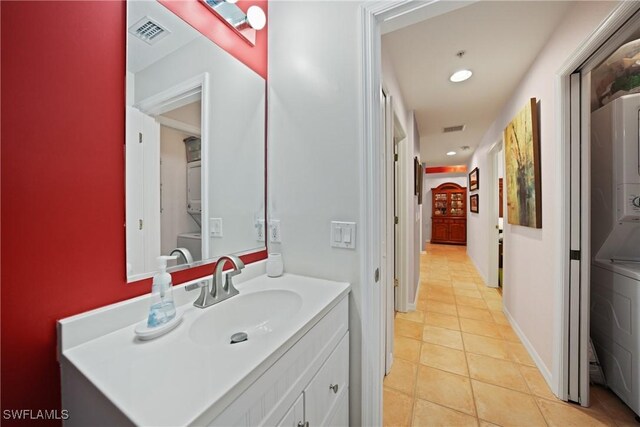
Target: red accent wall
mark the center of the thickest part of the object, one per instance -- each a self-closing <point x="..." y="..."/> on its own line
<point x="62" y="176"/>
<point x="446" y="169"/>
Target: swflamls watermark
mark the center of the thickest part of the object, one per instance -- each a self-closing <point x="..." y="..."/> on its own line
<point x="35" y="414"/>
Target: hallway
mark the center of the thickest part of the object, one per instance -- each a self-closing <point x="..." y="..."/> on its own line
<point x="457" y="362"/>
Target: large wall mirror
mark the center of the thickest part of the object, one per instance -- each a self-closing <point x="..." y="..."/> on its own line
<point x="195" y="146"/>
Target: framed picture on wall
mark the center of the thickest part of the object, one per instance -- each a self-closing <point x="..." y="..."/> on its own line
<point x="522" y="167"/>
<point x="473" y="203"/>
<point x="474" y="180"/>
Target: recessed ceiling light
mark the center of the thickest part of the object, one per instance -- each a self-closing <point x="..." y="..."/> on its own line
<point x="451" y="153"/>
<point x="460" y="76"/>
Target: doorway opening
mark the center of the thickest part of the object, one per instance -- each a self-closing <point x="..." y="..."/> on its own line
<point x="495" y="223"/>
<point x="373" y="18"/>
<point x="604" y="226"/>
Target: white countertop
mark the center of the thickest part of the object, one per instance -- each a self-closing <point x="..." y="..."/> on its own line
<point x="173" y="380"/>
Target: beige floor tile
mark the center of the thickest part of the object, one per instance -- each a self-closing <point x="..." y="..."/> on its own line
<point x="397" y="408"/>
<point x="565" y="415"/>
<point x="520" y="354"/>
<point x="490" y="293"/>
<point x="449" y="299"/>
<point x="471" y="302"/>
<point x="439" y="289"/>
<point x="439" y="277"/>
<point x="495" y="371"/>
<point x="446" y="284"/>
<point x="507" y="333"/>
<point x="414" y="316"/>
<point x="406" y="348"/>
<point x="474" y="313"/>
<point x="407" y="328"/>
<point x="464" y="284"/>
<point x="615" y="408"/>
<point x="499" y="317"/>
<point x="447" y="274"/>
<point x="536" y="382"/>
<point x="442" y="336"/>
<point x="471" y="293"/>
<point x="598" y="411"/>
<point x="486" y="346"/>
<point x="445" y="358"/>
<point x="506" y="407"/>
<point x="428" y="414"/>
<point x="441" y="307"/>
<point x="495" y="305"/>
<point x="441" y="320"/>
<point x="478" y="327"/>
<point x="422" y="304"/>
<point x="402" y="376"/>
<point x="444" y="388"/>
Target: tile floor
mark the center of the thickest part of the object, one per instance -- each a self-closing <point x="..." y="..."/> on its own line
<point x="457" y="362"/>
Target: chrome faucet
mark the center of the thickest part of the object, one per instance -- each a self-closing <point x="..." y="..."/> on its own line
<point x="184" y="253"/>
<point x="219" y="291"/>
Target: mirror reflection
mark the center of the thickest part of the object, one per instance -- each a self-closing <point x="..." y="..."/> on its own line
<point x="195" y="143"/>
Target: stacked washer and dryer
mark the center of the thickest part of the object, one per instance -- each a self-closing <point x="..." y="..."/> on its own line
<point x="615" y="242"/>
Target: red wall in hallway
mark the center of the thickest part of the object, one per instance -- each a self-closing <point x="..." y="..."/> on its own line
<point x="62" y="176"/>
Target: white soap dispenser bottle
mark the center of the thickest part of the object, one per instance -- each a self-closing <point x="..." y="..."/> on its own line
<point x="162" y="308"/>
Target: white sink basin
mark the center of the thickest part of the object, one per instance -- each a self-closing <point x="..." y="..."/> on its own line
<point x="256" y="313"/>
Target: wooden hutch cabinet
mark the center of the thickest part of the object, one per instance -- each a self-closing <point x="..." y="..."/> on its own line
<point x="449" y="214"/>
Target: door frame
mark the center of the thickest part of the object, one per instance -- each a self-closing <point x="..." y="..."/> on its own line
<point x="591" y="52"/>
<point x="375" y="15"/>
<point x="493" y="157"/>
<point x="388" y="243"/>
<point x="404" y="197"/>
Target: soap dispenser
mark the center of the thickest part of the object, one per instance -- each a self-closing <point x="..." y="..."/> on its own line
<point x="162" y="309"/>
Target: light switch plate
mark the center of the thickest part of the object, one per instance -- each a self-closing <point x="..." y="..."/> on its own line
<point x="274" y="231"/>
<point x="343" y="234"/>
<point x="215" y="227"/>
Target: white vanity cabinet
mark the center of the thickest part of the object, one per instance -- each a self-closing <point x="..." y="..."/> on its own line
<point x="322" y="400"/>
<point x="292" y="371"/>
<point x="307" y="387"/>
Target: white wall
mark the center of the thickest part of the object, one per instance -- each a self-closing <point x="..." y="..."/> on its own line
<point x="531" y="270"/>
<point x="314" y="154"/>
<point x="432" y="181"/>
<point x="411" y="224"/>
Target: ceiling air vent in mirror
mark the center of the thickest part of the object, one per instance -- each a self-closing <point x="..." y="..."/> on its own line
<point x="457" y="128"/>
<point x="148" y="30"/>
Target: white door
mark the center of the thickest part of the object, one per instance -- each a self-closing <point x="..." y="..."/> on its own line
<point x="389" y="235"/>
<point x="578" y="363"/>
<point x="142" y="179"/>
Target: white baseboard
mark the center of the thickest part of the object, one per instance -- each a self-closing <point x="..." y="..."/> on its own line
<point x="546" y="373"/>
<point x="413" y="305"/>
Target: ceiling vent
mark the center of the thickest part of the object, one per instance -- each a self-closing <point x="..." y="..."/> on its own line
<point x="148" y="30"/>
<point x="450" y="129"/>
